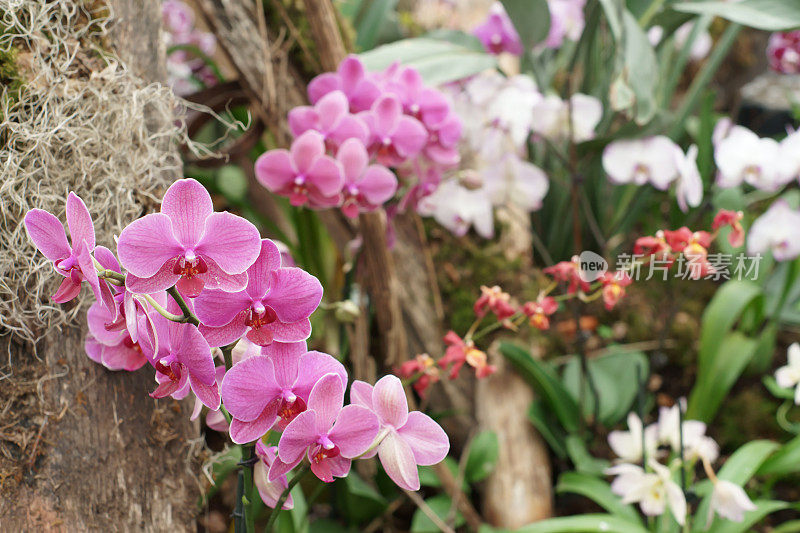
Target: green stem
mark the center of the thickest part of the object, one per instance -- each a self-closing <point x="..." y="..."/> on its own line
<point x="187" y="313"/>
<point x="284" y="496"/>
<point x="249" y="515"/>
<point x="227" y="354"/>
<point x="163" y="312"/>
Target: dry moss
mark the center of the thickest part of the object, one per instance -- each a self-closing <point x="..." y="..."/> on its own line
<point x="81" y="122"/>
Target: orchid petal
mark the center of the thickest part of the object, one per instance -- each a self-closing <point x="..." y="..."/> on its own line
<point x="146" y="244"/>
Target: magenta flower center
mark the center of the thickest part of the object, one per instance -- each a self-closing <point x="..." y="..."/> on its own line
<point x="189" y="266"/>
<point x="261" y="315"/>
<point x="165" y="367"/>
<point x="288" y="410"/>
<point x="326" y="449"/>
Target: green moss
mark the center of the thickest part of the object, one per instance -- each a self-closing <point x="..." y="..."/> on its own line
<point x="10" y="77"/>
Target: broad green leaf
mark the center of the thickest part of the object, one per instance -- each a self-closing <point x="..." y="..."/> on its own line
<point x="232" y="183"/>
<point x="584" y="462"/>
<point x="369" y="27"/>
<point x="554" y="435"/>
<point x="727" y="306"/>
<point x="428" y="477"/>
<point x="613" y="11"/>
<point x="546" y="383"/>
<point x="599" y="492"/>
<point x="731" y="357"/>
<point x="751" y="518"/>
<point x="483" y="451"/>
<point x="359" y="501"/>
<point x="531" y="19"/>
<point x="440" y="505"/>
<point x="614" y="377"/>
<point x="457" y="37"/>
<point x="586" y="523"/>
<point x="792" y="526"/>
<point x="437" y="61"/>
<point x="739" y="468"/>
<point x="786" y="460"/>
<point x="770" y="15"/>
<point x="641" y="69"/>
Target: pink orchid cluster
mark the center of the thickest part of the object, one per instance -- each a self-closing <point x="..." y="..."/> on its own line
<point x="359" y="126"/>
<point x="783" y="52"/>
<point x="188" y="281"/>
<point x="186" y="73"/>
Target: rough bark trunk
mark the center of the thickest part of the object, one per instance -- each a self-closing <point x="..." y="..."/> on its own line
<point x="85" y="449"/>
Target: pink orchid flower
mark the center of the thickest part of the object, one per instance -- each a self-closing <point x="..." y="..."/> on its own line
<point x="443" y="139"/>
<point x="73" y="260"/>
<point x="188" y="244"/>
<point x="113" y="348"/>
<point x="183" y="356"/>
<point x="330" y="117"/>
<point x="497" y="33"/>
<point x="304" y="173"/>
<point x="275" y="305"/>
<point x="328" y="434"/>
<point x="365" y="187"/>
<point x="214" y="418"/>
<point x="424" y="103"/>
<point x="270" y="491"/>
<point x="264" y="389"/>
<point x="410" y="439"/>
<point x="352" y="79"/>
<point x="394" y="137"/>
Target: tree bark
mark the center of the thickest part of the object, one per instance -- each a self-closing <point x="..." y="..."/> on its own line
<point x="83" y="448"/>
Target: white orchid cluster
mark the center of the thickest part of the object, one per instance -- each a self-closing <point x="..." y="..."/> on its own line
<point x="658" y="161"/>
<point x="742" y="157"/>
<point x="666" y="447"/>
<point x="762" y="162"/>
<point x="499" y="115"/>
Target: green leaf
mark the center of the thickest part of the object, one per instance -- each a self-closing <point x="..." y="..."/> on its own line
<point x="613" y="12"/>
<point x="786" y="460"/>
<point x="738" y="469"/>
<point x="586" y="523"/>
<point x="641" y="69"/>
<point x="232" y="183"/>
<point x="548" y="428"/>
<point x="483" y="452"/>
<point x="359" y="501"/>
<point x="428" y="477"/>
<point x="727" y="306"/>
<point x="370" y="25"/>
<point x="546" y="383"/>
<point x="614" y="377"/>
<point x="751" y="518"/>
<point x="599" y="492"/>
<point x="437" y="61"/>
<point x="770" y="15"/>
<point x="730" y="359"/>
<point x="584" y="462"/>
<point x="724" y="355"/>
<point x="531" y="19"/>
<point x="440" y="505"/>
